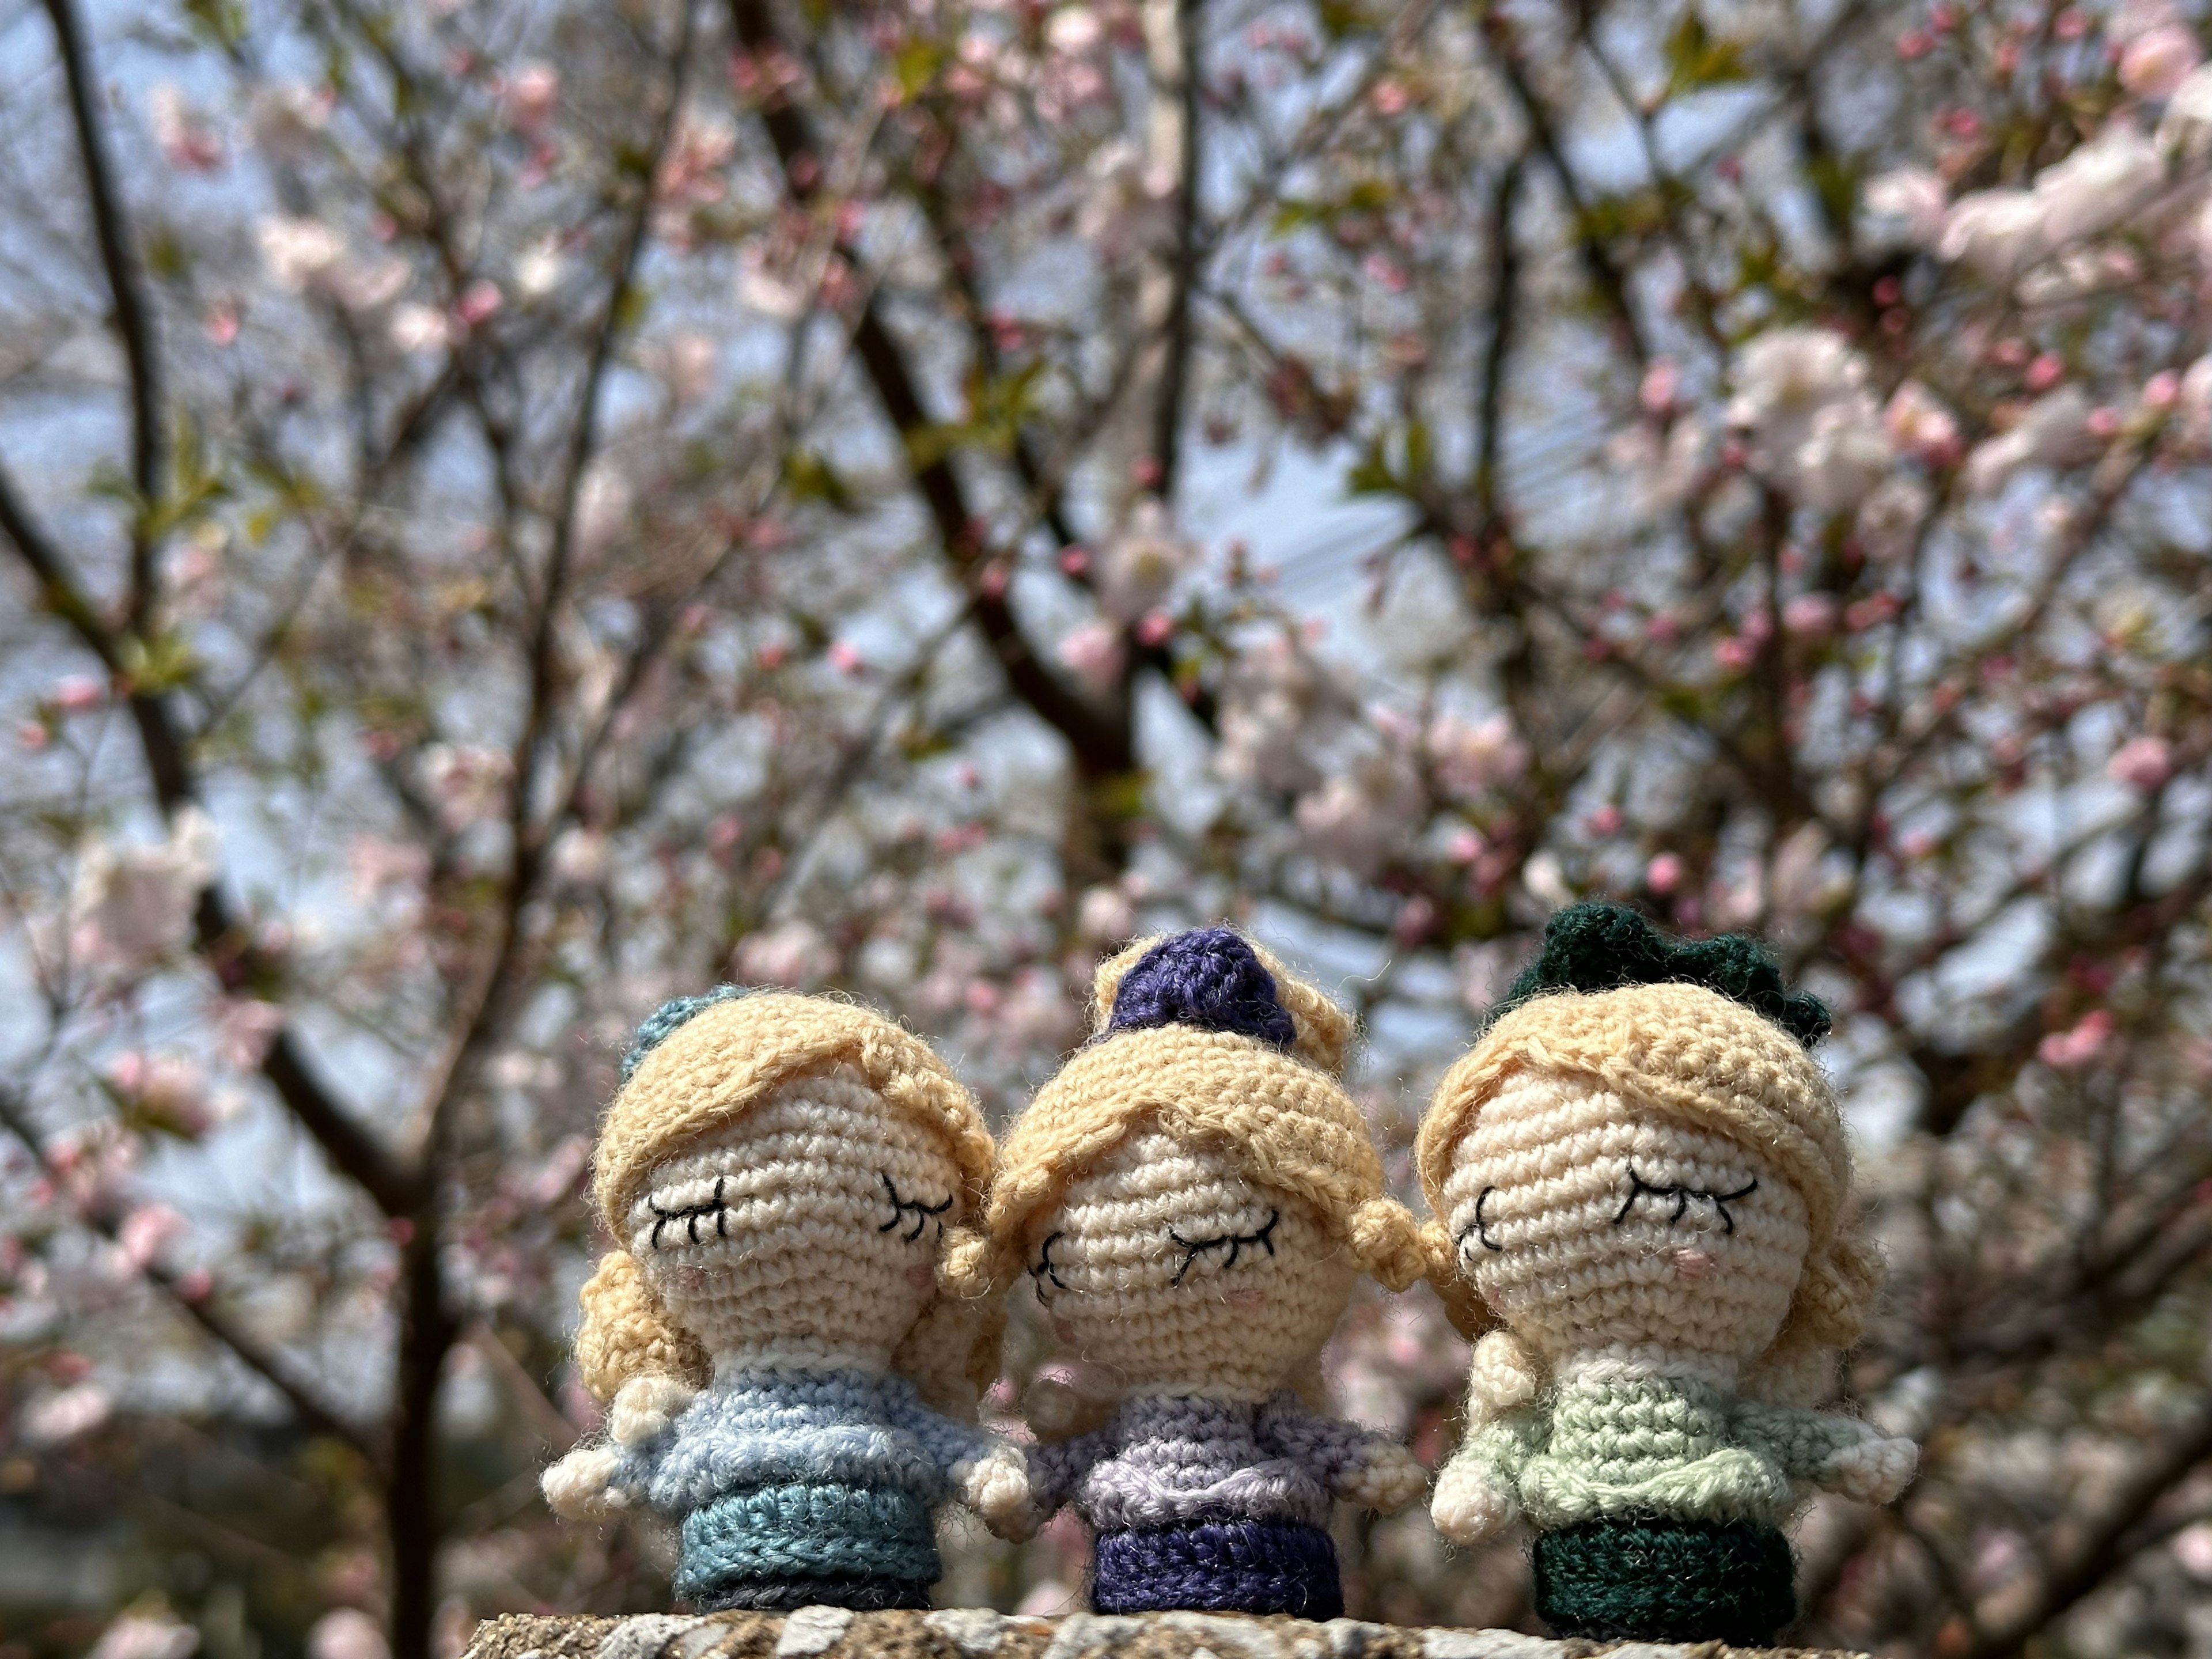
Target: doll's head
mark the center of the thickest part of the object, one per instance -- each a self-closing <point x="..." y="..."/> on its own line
<point x="783" y="1174"/>
<point x="1641" y="1159"/>
<point x="1194" y="1195"/>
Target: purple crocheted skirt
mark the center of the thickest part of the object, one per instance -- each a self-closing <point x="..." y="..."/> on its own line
<point x="1218" y="1567"/>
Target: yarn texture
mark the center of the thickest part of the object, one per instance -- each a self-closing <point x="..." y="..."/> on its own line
<point x="778" y="1478"/>
<point x="1641" y="1578"/>
<point x="787" y="1177"/>
<point x="1193" y="1197"/>
<point x="1644" y="1175"/>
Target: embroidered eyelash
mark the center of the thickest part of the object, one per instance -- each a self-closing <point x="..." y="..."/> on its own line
<point x="1044" y="1269"/>
<point x="902" y="1207"/>
<point x="1236" y="1241"/>
<point x="691" y="1215"/>
<point x="1682" y="1196"/>
<point x="1481" y="1228"/>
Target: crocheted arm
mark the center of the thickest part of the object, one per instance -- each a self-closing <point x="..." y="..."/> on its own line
<point x="593" y="1482"/>
<point x="1478" y="1489"/>
<point x="991" y="1474"/>
<point x="1837" y="1454"/>
<point x="1359" y="1465"/>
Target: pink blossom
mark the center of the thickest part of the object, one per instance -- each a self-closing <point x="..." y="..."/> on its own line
<point x="2045" y="372"/>
<point x="1810" y="616"/>
<point x="2155" y="62"/>
<point x="1664" y="873"/>
<point x="146" y="1232"/>
<point x="1154" y="629"/>
<point x="187" y="141"/>
<point x="794" y="953"/>
<point x="1920" y="426"/>
<point x="132" y="905"/>
<point x="1660" y="386"/>
<point x="529" y="97"/>
<point x="166" y="1091"/>
<point x="75" y="694"/>
<point x="845" y="657"/>
<point x="2069" y="1051"/>
<point x="2144" y="762"/>
<point x="244" y="1027"/>
<point x="1736" y="653"/>
<point x="479" y="302"/>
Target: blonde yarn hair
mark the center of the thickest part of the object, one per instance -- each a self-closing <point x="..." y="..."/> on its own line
<point x="718" y="1064"/>
<point x="1283" y="1118"/>
<point x="1699" y="1056"/>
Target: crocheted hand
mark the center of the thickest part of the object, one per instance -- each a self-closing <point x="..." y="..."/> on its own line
<point x="1386" y="1478"/>
<point x="646" y="1405"/>
<point x="579" y="1487"/>
<point x="1875" y="1470"/>
<point x="1468" y="1507"/>
<point x="997" y="1487"/>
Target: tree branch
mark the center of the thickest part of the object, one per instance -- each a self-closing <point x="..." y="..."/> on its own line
<point x="133" y="316"/>
<point x="1101" y="746"/>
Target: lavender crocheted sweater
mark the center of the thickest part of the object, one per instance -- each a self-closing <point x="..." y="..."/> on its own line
<point x="1171" y="1461"/>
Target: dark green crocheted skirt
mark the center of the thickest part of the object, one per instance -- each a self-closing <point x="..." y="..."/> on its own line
<point x="1645" y="1578"/>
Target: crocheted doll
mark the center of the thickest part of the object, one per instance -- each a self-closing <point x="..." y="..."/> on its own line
<point x="1193" y="1197"/>
<point x="785" y="1174"/>
<point x="1646" y="1177"/>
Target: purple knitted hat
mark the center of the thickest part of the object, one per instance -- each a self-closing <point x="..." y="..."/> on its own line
<point x="1208" y="978"/>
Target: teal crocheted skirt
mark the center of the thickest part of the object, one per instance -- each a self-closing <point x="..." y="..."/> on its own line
<point x="1647" y="1578"/>
<point x="818" y="1544"/>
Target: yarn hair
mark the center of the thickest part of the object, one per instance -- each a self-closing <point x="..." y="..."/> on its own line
<point x="702" y="1062"/>
<point x="1276" y="1111"/>
<point x="1695" y="1055"/>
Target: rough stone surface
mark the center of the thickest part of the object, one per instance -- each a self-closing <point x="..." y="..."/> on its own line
<point x="978" y="1633"/>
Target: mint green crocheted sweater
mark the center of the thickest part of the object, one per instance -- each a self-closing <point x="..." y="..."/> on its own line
<point x="1657" y="1445"/>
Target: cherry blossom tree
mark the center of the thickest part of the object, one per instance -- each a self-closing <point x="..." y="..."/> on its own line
<point x="511" y="512"/>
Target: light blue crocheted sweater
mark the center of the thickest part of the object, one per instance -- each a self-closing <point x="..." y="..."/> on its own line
<point x="787" y="1475"/>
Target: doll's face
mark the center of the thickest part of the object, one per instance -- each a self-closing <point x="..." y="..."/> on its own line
<point x="1170" y="1267"/>
<point x="1594" y="1227"/>
<point x="806" y="1232"/>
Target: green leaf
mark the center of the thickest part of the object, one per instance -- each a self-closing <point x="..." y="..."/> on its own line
<point x="916" y="65"/>
<point x="1371" y="474"/>
<point x="812" y="478"/>
<point x="1696" y="59"/>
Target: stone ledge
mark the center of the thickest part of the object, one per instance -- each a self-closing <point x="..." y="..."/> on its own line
<point x="978" y="1633"/>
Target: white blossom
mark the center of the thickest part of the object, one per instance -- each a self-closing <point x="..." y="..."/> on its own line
<point x="2054" y="432"/>
<point x="1903" y="208"/>
<point x="1890" y="518"/>
<point x="347" y="1634"/>
<point x="297" y="253"/>
<point x="54" y="1419"/>
<point x="1471" y="757"/>
<point x="1139" y="567"/>
<point x="468" y="780"/>
<point x="133" y="905"/>
<point x="1363" y="813"/>
<point x="418" y="327"/>
<point x="2100" y="184"/>
<point x="605" y="502"/>
<point x="289" y="118"/>
<point x="1994" y="232"/>
<point x="1815" y="430"/>
<point x="1279" y="709"/>
<point x="2194" y="408"/>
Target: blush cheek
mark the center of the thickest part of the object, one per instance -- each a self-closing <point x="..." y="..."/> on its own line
<point x="1693" y="1264"/>
<point x="692" y="1279"/>
<point x="1246" y="1298"/>
<point x="1063" y="1330"/>
<point x="922" y="1277"/>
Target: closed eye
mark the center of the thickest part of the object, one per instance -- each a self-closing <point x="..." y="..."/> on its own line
<point x="1637" y="1187"/>
<point x="1480" y="1228"/>
<point x="902" y="1208"/>
<point x="691" y="1215"/>
<point x="1044" y="1271"/>
<point x="1235" y="1243"/>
